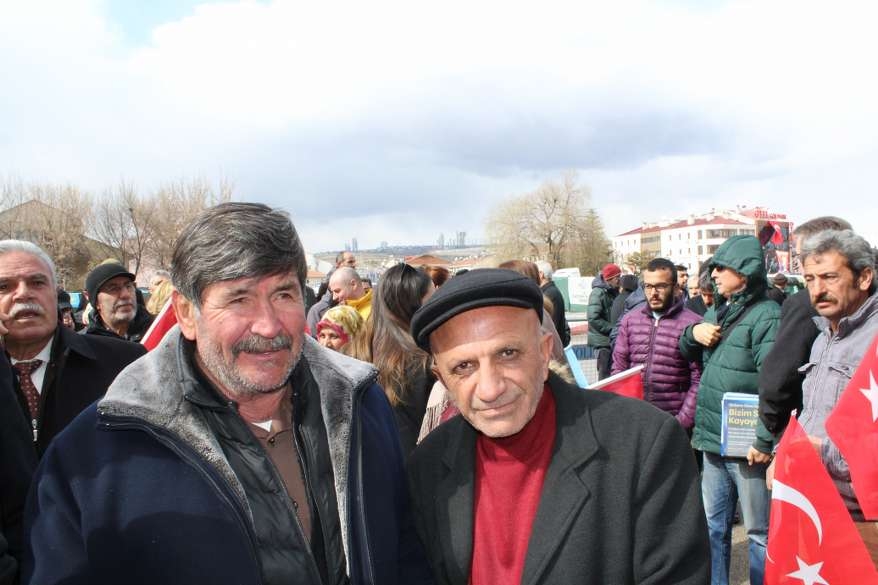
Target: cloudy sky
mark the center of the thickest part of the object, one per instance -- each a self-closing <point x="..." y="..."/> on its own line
<point x="400" y="120"/>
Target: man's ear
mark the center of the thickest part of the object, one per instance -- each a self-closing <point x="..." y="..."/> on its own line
<point x="546" y="349"/>
<point x="185" y="311"/>
<point x="867" y="275"/>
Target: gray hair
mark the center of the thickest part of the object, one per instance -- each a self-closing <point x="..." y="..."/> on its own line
<point x="855" y="249"/>
<point x="8" y="246"/>
<point x="821" y="224"/>
<point x="545" y="268"/>
<point x="235" y="240"/>
<point x="162" y="273"/>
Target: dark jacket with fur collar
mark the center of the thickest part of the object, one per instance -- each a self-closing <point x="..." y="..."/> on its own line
<point x="138" y="490"/>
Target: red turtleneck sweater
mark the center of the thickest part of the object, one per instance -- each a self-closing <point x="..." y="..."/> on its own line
<point x="509" y="480"/>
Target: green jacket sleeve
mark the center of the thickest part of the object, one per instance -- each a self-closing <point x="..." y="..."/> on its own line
<point x="690" y="348"/>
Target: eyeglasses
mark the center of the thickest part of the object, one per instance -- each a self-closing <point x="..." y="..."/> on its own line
<point x="115" y="289"/>
<point x="656" y="287"/>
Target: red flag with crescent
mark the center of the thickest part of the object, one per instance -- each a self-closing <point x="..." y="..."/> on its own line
<point x="853" y="427"/>
<point x="162" y="323"/>
<point x="628" y="383"/>
<point x="811" y="537"/>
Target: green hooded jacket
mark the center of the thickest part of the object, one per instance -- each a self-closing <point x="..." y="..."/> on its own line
<point x="734" y="363"/>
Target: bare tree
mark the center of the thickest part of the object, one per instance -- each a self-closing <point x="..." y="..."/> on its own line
<point x="51" y="217"/>
<point x="554" y="222"/>
<point x="123" y="220"/>
<point x="176" y="204"/>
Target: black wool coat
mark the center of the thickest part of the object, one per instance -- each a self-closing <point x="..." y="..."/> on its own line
<point x="79" y="372"/>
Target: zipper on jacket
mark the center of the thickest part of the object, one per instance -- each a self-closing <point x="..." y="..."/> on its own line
<point x="190" y="458"/>
<point x="650" y="355"/>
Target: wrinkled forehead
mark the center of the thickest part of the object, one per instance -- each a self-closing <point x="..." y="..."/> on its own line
<point x="495" y="324"/>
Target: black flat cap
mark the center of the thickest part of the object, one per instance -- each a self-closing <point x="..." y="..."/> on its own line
<point x="101" y="274"/>
<point x="485" y="287"/>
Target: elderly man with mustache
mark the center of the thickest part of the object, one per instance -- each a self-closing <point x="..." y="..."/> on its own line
<point x="237" y="451"/>
<point x="54" y="373"/>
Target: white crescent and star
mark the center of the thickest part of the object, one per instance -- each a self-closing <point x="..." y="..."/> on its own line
<point x="809" y="574"/>
<point x="872" y="395"/>
<point x="785" y="493"/>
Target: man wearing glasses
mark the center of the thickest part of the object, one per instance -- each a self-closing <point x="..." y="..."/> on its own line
<point x="111" y="291"/>
<point x="650" y="335"/>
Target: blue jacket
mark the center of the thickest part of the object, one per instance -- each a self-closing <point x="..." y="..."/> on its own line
<point x="138" y="490"/>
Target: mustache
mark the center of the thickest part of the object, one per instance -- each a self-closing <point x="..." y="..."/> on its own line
<point x="259" y="344"/>
<point x="825" y="297"/>
<point x="19" y="308"/>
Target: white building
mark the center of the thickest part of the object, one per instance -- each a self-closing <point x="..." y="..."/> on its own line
<point x="693" y="240"/>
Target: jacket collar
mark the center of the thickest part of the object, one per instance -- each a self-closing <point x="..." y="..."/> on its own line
<point x="672" y="310"/>
<point x="66" y="339"/>
<point x="162" y="390"/>
<point x="565" y="488"/>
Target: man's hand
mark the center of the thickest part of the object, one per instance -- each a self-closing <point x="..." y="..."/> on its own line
<point x="707" y="334"/>
<point x="754" y="455"/>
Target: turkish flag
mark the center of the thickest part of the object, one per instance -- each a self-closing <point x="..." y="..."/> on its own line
<point x="163" y="322"/>
<point x="628" y="383"/>
<point x="853" y="427"/>
<point x="811" y="537"/>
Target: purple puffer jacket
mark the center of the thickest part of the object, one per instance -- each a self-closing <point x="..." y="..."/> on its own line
<point x="669" y="381"/>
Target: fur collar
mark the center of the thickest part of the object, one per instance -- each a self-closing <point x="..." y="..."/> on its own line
<point x="153" y="389"/>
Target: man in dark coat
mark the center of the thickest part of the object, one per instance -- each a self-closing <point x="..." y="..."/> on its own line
<point x="781" y="383"/>
<point x="17" y="464"/>
<point x="604" y="289"/>
<point x="117" y="309"/>
<point x="550" y="290"/>
<point x="58" y="372"/>
<point x="238" y="450"/>
<point x="538" y="481"/>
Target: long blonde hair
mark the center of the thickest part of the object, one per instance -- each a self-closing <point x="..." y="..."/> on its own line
<point x="159" y="297"/>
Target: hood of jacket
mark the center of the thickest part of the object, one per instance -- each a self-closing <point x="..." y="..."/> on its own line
<point x="743" y="254"/>
<point x="599" y="282"/>
<point x="154" y="390"/>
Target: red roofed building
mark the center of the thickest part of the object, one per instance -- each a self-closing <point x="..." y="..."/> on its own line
<point x="693" y="240"/>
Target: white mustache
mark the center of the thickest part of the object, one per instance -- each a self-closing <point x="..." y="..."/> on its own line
<point x="26" y="308"/>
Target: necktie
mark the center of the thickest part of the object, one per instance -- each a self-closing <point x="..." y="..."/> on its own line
<point x="24" y="370"/>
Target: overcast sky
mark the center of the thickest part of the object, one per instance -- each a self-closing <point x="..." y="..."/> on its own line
<point x="400" y="120"/>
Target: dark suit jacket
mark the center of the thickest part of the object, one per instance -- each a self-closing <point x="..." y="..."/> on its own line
<point x="559" y="318"/>
<point x="621" y="501"/>
<point x="780" y="383"/>
<point x="17" y="464"/>
<point x="79" y="372"/>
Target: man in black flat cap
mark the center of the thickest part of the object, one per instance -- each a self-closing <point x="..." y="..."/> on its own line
<point x="111" y="291"/>
<point x="539" y="481"/>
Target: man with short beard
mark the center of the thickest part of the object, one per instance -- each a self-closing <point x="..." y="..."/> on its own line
<point x="237" y="451"/>
<point x="111" y="291"/>
<point x="651" y="336"/>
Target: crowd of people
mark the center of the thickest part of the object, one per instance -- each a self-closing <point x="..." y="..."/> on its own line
<point x="424" y="430"/>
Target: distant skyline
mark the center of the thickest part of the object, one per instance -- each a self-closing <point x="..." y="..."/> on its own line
<point x="395" y="121"/>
